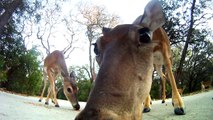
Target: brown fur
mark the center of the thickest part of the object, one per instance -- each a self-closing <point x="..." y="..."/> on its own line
<point x="124" y="78"/>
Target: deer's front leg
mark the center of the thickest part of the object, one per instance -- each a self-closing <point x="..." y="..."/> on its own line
<point x="52" y="89"/>
<point x="48" y="95"/>
<point x="45" y="84"/>
<point x="163" y="78"/>
<point x="147" y="104"/>
<point x="176" y="98"/>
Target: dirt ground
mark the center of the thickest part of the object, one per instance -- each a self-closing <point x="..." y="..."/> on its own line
<point x="19" y="107"/>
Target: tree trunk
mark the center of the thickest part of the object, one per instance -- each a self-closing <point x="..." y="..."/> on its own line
<point x="188" y="39"/>
<point x="4" y="18"/>
<point x="90" y="37"/>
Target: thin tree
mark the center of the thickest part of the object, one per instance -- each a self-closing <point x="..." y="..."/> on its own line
<point x="93" y="18"/>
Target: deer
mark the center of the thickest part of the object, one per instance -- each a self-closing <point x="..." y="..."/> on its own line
<point x="205" y="85"/>
<point x="162" y="56"/>
<point x="180" y="90"/>
<point x="55" y="65"/>
<point x="125" y="56"/>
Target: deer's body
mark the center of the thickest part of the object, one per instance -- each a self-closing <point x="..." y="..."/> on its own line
<point x="162" y="56"/>
<point x="162" y="52"/>
<point x="54" y="65"/>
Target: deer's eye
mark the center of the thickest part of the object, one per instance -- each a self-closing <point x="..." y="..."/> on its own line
<point x="69" y="90"/>
<point x="144" y="35"/>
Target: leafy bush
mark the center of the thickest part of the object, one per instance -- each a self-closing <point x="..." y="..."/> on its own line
<point x="84" y="89"/>
<point x="26" y="76"/>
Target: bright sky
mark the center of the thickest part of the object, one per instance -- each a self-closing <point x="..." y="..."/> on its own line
<point x="128" y="10"/>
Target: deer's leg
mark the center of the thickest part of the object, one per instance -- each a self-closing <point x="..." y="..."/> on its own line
<point x="52" y="96"/>
<point x="48" y="95"/>
<point x="147" y="104"/>
<point x="163" y="78"/>
<point x="52" y="87"/>
<point x="176" y="98"/>
<point x="45" y="85"/>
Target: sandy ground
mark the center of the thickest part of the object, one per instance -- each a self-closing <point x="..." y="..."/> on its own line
<point x="18" y="107"/>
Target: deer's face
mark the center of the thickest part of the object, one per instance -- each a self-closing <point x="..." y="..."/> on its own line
<point x="71" y="92"/>
<point x="124" y="78"/>
<point x="125" y="56"/>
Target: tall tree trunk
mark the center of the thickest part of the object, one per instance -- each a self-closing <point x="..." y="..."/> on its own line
<point x="188" y="39"/>
<point x="4" y="18"/>
<point x="90" y="37"/>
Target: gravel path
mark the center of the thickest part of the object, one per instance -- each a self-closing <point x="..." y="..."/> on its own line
<point x="17" y="107"/>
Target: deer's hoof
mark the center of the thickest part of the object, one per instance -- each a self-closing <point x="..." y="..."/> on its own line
<point x="179" y="111"/>
<point x="46" y="103"/>
<point x="145" y="110"/>
<point x="56" y="105"/>
<point x="163" y="101"/>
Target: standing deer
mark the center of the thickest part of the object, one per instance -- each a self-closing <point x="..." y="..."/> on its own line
<point x="162" y="56"/>
<point x="54" y="65"/>
<point x="125" y="55"/>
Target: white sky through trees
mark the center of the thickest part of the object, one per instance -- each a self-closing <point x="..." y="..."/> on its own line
<point x="127" y="10"/>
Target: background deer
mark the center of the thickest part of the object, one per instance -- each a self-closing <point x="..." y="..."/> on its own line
<point x="205" y="85"/>
<point x="125" y="56"/>
<point x="180" y="90"/>
<point x="54" y="65"/>
<point x="162" y="56"/>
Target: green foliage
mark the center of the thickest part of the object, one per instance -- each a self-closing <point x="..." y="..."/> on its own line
<point x="2" y="71"/>
<point x="199" y="66"/>
<point x="156" y="90"/>
<point x="25" y="77"/>
<point x="84" y="89"/>
<point x="61" y="95"/>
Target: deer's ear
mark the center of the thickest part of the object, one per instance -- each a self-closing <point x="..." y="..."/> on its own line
<point x="106" y="30"/>
<point x="153" y="16"/>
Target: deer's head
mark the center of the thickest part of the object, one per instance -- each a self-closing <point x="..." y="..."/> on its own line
<point x="71" y="90"/>
<point x="125" y="56"/>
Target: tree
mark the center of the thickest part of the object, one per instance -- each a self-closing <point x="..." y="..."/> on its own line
<point x="187" y="27"/>
<point x="23" y="74"/>
<point x="20" y="66"/>
<point x="7" y="8"/>
<point x="93" y="18"/>
<point x="49" y="26"/>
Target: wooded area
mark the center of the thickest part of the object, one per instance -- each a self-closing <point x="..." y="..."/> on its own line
<point x="24" y="21"/>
